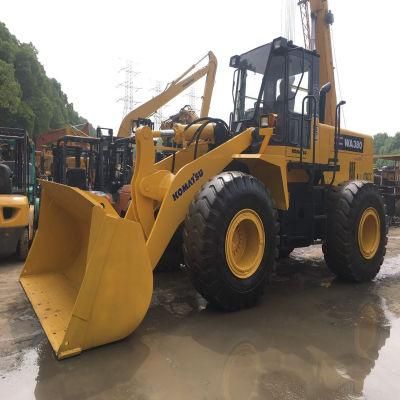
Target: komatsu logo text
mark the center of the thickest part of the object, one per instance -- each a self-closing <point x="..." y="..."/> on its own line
<point x="190" y="182"/>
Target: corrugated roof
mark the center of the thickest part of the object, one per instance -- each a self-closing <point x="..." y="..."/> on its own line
<point x="391" y="157"/>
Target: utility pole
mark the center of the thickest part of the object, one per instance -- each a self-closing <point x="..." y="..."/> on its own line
<point x="193" y="99"/>
<point x="158" y="115"/>
<point x="129" y="88"/>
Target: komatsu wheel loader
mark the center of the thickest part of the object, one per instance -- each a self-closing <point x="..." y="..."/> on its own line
<point x="278" y="177"/>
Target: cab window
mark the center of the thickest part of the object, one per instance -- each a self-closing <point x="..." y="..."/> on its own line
<point x="299" y="81"/>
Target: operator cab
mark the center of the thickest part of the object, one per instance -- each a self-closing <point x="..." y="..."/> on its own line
<point x="16" y="162"/>
<point x="274" y="79"/>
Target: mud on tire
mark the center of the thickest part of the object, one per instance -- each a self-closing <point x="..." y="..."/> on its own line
<point x="342" y="252"/>
<point x="204" y="236"/>
<point x="23" y="245"/>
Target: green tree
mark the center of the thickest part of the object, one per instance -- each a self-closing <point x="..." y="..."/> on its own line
<point x="385" y="144"/>
<point x="379" y="141"/>
<point x="10" y="90"/>
<point x="396" y="142"/>
<point x="28" y="98"/>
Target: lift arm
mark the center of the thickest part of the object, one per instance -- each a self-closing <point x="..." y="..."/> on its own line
<point x="322" y="18"/>
<point x="176" y="87"/>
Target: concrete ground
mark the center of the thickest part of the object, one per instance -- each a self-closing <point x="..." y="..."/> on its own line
<point x="310" y="338"/>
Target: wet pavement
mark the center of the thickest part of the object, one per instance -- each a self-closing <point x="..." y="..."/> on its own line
<point x="311" y="337"/>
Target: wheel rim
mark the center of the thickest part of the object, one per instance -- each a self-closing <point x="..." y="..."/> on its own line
<point x="245" y="243"/>
<point x="369" y="233"/>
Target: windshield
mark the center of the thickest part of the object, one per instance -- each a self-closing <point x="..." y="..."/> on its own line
<point x="256" y="60"/>
<point x="251" y="71"/>
<point x="279" y="85"/>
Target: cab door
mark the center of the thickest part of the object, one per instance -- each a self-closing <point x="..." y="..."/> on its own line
<point x="299" y="86"/>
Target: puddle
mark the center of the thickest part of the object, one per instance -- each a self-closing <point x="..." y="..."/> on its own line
<point x="311" y="337"/>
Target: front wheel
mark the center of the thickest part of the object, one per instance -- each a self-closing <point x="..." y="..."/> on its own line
<point x="23" y="245"/>
<point x="231" y="239"/>
<point x="357" y="232"/>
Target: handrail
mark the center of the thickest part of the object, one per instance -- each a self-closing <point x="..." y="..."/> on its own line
<point x="315" y="128"/>
<point x="336" y="138"/>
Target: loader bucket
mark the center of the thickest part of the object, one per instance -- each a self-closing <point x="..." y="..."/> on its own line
<point x="87" y="274"/>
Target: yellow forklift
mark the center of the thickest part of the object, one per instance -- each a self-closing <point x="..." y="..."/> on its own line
<point x="18" y="192"/>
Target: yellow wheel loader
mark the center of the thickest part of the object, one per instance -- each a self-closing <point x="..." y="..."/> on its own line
<point x="278" y="177"/>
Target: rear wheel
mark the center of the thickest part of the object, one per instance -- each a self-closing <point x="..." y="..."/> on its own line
<point x="23" y="245"/>
<point x="230" y="240"/>
<point x="357" y="232"/>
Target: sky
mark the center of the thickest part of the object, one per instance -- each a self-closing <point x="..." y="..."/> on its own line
<point x="85" y="44"/>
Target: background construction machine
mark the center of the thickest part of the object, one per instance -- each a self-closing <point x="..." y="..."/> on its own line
<point x="132" y="120"/>
<point x="18" y="200"/>
<point x="102" y="164"/>
<point x="45" y="141"/>
<point x="388" y="180"/>
<point x="105" y="163"/>
<point x="278" y="177"/>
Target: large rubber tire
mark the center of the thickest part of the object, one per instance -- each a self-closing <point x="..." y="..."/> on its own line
<point x="204" y="236"/>
<point x="23" y="245"/>
<point x="347" y="205"/>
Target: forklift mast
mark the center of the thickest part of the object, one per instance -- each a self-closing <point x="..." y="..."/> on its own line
<point x="17" y="153"/>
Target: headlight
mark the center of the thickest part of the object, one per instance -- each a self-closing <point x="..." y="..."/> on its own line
<point x="264" y="121"/>
<point x="279" y="44"/>
<point x="234" y="62"/>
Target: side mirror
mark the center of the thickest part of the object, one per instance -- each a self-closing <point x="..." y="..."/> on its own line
<point x="322" y="100"/>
